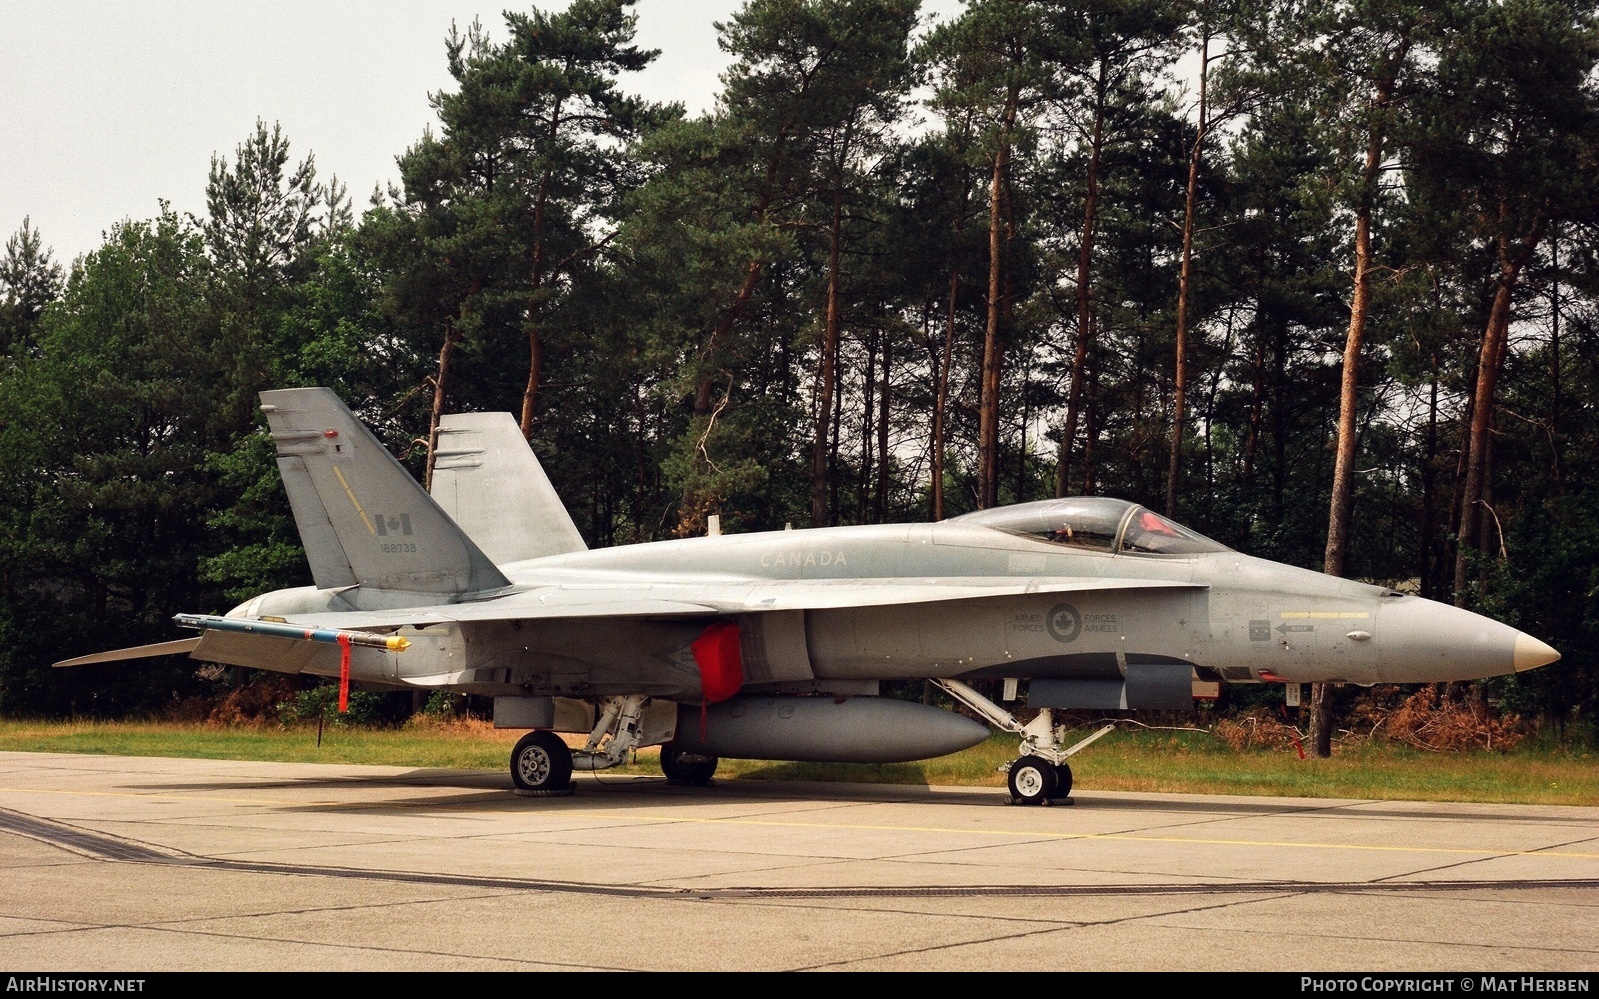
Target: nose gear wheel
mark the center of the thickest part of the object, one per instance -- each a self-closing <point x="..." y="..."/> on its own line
<point x="1031" y="780"/>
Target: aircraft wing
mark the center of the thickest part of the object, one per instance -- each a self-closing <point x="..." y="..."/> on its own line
<point x="617" y="600"/>
<point x="580" y="600"/>
<point x="231" y="640"/>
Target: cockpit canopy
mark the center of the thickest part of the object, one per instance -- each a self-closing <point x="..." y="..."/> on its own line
<point x="1099" y="523"/>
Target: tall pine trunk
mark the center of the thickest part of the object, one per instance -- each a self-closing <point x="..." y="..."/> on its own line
<point x="880" y="504"/>
<point x="941" y="399"/>
<point x="436" y="412"/>
<point x="441" y="380"/>
<point x="1185" y="274"/>
<point x="1085" y="257"/>
<point x="535" y="338"/>
<point x="1321" y="723"/>
<point x="1490" y="363"/>
<point x="827" y="373"/>
<point x="993" y="340"/>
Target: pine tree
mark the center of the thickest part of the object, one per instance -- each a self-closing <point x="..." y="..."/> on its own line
<point x="29" y="280"/>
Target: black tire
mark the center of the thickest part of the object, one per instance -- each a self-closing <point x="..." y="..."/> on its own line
<point x="541" y="763"/>
<point x="681" y="771"/>
<point x="1031" y="780"/>
<point x="1063" y="781"/>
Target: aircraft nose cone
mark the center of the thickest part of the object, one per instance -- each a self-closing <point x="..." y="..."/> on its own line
<point x="1424" y="641"/>
<point x="1531" y="653"/>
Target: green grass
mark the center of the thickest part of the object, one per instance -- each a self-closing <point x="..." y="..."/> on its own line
<point x="1126" y="760"/>
<point x="472" y="747"/>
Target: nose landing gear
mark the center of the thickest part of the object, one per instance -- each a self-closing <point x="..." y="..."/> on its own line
<point x="1040" y="775"/>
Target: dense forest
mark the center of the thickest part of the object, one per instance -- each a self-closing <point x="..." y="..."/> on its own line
<point x="1317" y="279"/>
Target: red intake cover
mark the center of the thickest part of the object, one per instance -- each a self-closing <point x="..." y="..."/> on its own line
<point x="721" y="663"/>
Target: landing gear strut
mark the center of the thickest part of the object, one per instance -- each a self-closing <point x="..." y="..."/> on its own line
<point x="542" y="764"/>
<point x="1040" y="775"/>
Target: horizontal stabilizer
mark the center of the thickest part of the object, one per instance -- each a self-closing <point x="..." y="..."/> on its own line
<point x="182" y="646"/>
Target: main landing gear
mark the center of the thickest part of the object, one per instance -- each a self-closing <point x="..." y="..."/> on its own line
<point x="687" y="768"/>
<point x="1040" y="775"/>
<point x="542" y="763"/>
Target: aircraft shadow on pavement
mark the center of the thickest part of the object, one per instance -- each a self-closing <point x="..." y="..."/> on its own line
<point x="596" y="791"/>
<point x="601" y="790"/>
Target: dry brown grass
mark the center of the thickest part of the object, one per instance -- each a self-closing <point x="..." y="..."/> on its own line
<point x="1440" y="719"/>
<point x="1257" y="729"/>
<point x="255" y="703"/>
<point x="1437" y="718"/>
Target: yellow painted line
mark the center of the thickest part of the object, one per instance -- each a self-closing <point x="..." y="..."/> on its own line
<point x="369" y="528"/>
<point x="1324" y="614"/>
<point x="1030" y="834"/>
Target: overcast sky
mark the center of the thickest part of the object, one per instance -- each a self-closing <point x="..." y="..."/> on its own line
<point x="109" y="106"/>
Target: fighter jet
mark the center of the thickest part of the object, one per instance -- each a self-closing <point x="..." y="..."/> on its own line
<point x="775" y="645"/>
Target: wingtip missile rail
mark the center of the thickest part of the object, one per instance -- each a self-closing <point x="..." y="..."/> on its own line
<point x="282" y="629"/>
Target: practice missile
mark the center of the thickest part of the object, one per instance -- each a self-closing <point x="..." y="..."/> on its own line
<point x="278" y="629"/>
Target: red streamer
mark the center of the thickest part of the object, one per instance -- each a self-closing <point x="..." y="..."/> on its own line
<point x="344" y="673"/>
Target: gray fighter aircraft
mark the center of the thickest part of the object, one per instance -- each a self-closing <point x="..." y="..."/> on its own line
<point x="773" y="645"/>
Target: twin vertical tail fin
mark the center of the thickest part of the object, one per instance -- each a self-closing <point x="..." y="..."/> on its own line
<point x="363" y="519"/>
<point x="487" y="479"/>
